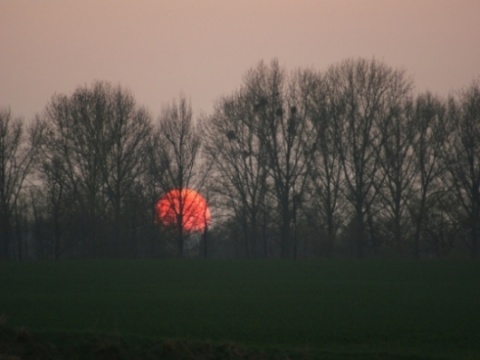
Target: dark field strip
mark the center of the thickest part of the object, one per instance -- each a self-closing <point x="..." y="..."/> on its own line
<point x="430" y="309"/>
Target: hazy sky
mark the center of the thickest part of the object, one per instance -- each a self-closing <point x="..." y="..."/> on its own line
<point x="202" y="48"/>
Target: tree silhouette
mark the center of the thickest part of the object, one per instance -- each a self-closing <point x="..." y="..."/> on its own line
<point x="463" y="160"/>
<point x="18" y="153"/>
<point x="174" y="153"/>
<point x="366" y="97"/>
<point x="430" y="126"/>
<point x="239" y="165"/>
<point x="94" y="151"/>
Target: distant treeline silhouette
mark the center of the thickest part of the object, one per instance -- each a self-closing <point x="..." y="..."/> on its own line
<point x="344" y="162"/>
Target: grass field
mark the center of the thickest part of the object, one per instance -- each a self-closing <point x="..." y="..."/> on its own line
<point x="326" y="308"/>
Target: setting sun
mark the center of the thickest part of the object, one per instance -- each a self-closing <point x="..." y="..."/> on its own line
<point x="183" y="206"/>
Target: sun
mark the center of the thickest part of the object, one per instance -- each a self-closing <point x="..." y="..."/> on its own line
<point x="183" y="206"/>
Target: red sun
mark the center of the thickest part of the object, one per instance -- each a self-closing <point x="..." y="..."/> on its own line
<point x="185" y="206"/>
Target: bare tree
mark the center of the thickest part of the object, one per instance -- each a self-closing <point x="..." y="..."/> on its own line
<point x="430" y="127"/>
<point x="397" y="163"/>
<point x="18" y="153"/>
<point x="94" y="151"/>
<point x="57" y="205"/>
<point x="76" y="137"/>
<point x="366" y="96"/>
<point x="256" y="140"/>
<point x="130" y="132"/>
<point x="175" y="153"/>
<point x="326" y="170"/>
<point x="282" y="106"/>
<point x="239" y="166"/>
<point x="463" y="160"/>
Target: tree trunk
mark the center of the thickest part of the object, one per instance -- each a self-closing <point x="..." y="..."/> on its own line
<point x="5" y="237"/>
<point x="360" y="233"/>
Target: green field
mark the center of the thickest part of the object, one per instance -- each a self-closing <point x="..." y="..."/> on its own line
<point x="326" y="308"/>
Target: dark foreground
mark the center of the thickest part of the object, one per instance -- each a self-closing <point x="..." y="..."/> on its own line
<point x="16" y="344"/>
<point x="372" y="309"/>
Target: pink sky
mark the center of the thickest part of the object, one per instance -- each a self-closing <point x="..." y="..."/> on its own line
<point x="202" y="48"/>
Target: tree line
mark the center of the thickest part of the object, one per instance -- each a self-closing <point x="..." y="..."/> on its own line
<point x="349" y="161"/>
